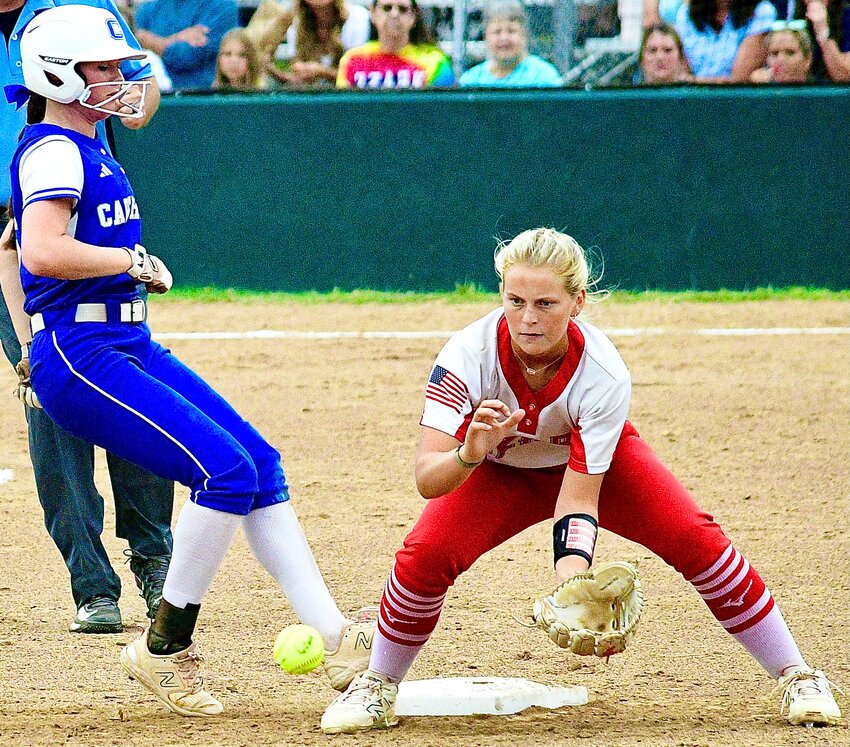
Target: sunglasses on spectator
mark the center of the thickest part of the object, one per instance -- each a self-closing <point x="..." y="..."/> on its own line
<point x="798" y="25"/>
<point x="402" y="9"/>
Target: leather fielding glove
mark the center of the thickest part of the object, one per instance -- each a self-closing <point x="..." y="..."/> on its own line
<point x="593" y="613"/>
<point x="24" y="391"/>
<point x="149" y="270"/>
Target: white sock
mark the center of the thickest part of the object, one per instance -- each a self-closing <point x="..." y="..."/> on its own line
<point x="771" y="644"/>
<point x="278" y="542"/>
<point x="202" y="537"/>
<point x="392" y="659"/>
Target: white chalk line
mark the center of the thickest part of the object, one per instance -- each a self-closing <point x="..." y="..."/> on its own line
<point x="283" y="334"/>
<point x="6" y="475"/>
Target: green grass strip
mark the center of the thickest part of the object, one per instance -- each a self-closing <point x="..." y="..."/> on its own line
<point x="461" y="294"/>
<point x="472" y="294"/>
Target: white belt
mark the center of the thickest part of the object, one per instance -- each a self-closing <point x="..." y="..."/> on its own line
<point x="131" y="312"/>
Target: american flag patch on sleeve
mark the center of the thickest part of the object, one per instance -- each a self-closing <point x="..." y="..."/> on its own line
<point x="446" y="388"/>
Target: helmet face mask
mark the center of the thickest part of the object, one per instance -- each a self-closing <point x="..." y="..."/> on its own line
<point x="135" y="103"/>
<point x="57" y="40"/>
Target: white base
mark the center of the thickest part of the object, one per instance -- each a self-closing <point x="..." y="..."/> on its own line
<point x="465" y="696"/>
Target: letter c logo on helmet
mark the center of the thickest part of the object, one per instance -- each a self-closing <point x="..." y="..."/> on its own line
<point x="115" y="30"/>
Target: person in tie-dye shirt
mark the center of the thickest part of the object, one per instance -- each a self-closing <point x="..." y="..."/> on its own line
<point x="404" y="55"/>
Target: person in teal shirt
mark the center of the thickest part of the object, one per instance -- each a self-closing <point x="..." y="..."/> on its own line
<point x="508" y="62"/>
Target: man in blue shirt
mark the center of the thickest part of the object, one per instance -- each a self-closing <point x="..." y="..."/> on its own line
<point x="187" y="35"/>
<point x="63" y="464"/>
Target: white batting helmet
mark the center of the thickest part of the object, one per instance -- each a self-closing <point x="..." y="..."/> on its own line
<point x="58" y="39"/>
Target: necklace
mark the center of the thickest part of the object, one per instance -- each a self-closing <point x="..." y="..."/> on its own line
<point x="535" y="371"/>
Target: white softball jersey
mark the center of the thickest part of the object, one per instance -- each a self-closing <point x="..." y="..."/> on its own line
<point x="576" y="419"/>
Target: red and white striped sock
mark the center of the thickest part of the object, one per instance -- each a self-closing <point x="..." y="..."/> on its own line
<point x="405" y="623"/>
<point x="744" y="606"/>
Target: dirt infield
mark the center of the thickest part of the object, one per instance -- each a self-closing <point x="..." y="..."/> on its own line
<point x="756" y="426"/>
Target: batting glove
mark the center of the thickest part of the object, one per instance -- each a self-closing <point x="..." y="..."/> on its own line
<point x="24" y="391"/>
<point x="149" y="270"/>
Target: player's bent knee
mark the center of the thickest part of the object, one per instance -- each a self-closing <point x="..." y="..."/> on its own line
<point x="428" y="557"/>
<point x="231" y="490"/>
<point x="266" y="498"/>
<point x="696" y="547"/>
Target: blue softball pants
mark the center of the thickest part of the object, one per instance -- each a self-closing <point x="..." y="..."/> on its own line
<point x="111" y="384"/>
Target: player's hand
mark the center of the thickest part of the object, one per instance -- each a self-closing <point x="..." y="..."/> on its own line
<point x="131" y="102"/>
<point x="24" y="391"/>
<point x="491" y="423"/>
<point x="149" y="270"/>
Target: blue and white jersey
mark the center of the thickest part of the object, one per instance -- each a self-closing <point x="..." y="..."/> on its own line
<point x="53" y="163"/>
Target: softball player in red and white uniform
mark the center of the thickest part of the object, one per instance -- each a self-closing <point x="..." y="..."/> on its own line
<point x="525" y="420"/>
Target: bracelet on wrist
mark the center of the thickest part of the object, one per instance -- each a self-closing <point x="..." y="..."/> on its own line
<point x="462" y="462"/>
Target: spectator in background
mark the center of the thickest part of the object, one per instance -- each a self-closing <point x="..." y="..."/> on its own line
<point x="187" y="35"/>
<point x="662" y="57"/>
<point x="321" y="32"/>
<point x="404" y="56"/>
<point x="158" y="71"/>
<point x="789" y="54"/>
<point x="267" y="27"/>
<point x="725" y="40"/>
<point x="830" y="26"/>
<point x="508" y="62"/>
<point x="238" y="66"/>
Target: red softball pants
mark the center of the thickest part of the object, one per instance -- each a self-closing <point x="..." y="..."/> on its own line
<point x="640" y="500"/>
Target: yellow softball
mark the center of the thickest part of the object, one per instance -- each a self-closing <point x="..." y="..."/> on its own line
<point x="299" y="649"/>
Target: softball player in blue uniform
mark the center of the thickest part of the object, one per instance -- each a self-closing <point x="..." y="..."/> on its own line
<point x="63" y="465"/>
<point x="100" y="376"/>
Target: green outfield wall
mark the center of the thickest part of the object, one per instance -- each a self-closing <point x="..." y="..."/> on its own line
<point x="696" y="188"/>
